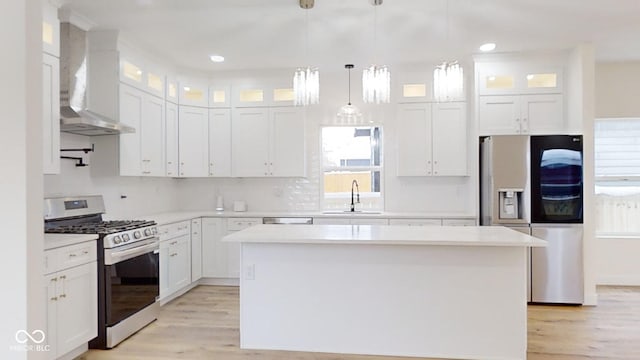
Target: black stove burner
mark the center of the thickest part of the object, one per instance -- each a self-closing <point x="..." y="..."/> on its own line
<point x="103" y="227"/>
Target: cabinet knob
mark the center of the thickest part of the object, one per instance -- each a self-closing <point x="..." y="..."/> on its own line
<point x="517" y="119"/>
<point x="169" y="173"/>
<point x="181" y="163"/>
<point x="524" y="119"/>
<point x="55" y="298"/>
<point x="265" y="173"/>
<point x="265" y="164"/>
<point x="169" y="162"/>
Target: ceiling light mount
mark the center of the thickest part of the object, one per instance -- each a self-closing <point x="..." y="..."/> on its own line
<point x="306" y="80"/>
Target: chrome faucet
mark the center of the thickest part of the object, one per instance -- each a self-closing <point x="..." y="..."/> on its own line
<point x="353" y="204"/>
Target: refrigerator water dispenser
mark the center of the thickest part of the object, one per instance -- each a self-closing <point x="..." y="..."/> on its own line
<point x="510" y="203"/>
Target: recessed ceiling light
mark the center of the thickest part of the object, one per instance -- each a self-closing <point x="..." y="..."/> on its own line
<point x="216" y="58"/>
<point x="487" y="47"/>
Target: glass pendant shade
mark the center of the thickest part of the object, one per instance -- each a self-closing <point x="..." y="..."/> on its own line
<point x="306" y="86"/>
<point x="376" y="84"/>
<point x="448" y="82"/>
<point x="349" y="114"/>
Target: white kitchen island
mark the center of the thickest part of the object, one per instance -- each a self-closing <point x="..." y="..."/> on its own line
<point x="449" y="292"/>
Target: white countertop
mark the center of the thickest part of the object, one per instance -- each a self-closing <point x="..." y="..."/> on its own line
<point x="171" y="217"/>
<point x="52" y="241"/>
<point x="386" y="235"/>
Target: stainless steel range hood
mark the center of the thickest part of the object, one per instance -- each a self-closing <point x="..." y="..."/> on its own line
<point x="75" y="118"/>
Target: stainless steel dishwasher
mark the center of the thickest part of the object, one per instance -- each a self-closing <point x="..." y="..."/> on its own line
<point x="287" y="220"/>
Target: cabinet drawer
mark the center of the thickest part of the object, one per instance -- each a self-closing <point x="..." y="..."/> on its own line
<point x="416" y="222"/>
<point x="70" y="256"/>
<point x="242" y="223"/>
<point x="369" y="222"/>
<point x="170" y="231"/>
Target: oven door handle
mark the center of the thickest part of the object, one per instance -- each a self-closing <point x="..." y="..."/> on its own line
<point x="114" y="257"/>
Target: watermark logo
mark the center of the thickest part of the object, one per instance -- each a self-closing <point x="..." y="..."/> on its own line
<point x="32" y="341"/>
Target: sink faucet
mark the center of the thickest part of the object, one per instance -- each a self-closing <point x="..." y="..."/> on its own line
<point x="353" y="204"/>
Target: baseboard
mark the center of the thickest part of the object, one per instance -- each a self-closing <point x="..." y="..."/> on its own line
<point x="220" y="281"/>
<point x="590" y="299"/>
<point x="75" y="352"/>
<point x="177" y="294"/>
<point x="621" y="280"/>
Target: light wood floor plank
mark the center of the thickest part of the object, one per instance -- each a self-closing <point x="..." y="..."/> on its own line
<point x="203" y="324"/>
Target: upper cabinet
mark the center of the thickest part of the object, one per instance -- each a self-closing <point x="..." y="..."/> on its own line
<point x="50" y="29"/>
<point x="412" y="87"/>
<point x="171" y="89"/>
<point x="193" y="93"/>
<point x="142" y="75"/>
<point x="50" y="89"/>
<point x="520" y="98"/>
<point x="518" y="78"/>
<point x="268" y="142"/>
<point x="432" y="139"/>
<point x="263" y="93"/>
<point x="219" y="96"/>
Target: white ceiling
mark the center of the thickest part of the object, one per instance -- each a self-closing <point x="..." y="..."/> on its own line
<point x="255" y="34"/>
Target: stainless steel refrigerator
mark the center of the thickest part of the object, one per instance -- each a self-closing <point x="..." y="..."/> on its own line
<point x="533" y="184"/>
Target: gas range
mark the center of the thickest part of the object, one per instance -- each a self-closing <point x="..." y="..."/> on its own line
<point x="127" y="260"/>
<point x="114" y="233"/>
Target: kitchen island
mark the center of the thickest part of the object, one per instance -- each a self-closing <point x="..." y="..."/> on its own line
<point x="450" y="292"/>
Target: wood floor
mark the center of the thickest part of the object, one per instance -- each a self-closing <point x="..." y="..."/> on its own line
<point x="203" y="324"/>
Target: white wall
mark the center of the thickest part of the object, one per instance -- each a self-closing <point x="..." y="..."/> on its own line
<point x="21" y="163"/>
<point x="617" y="94"/>
<point x="143" y="195"/>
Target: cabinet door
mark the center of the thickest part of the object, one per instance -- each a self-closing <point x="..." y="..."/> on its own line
<point x="77" y="306"/>
<point x="171" y="139"/>
<point x="220" y="142"/>
<point x="233" y="259"/>
<point x="152" y="136"/>
<point x="219" y="96"/>
<point x="543" y="114"/>
<point x="193" y="141"/>
<point x="250" y="142"/>
<point x="51" y="114"/>
<point x="287" y="142"/>
<point x="165" y="288"/>
<point x="131" y="112"/>
<point x="449" y="139"/>
<point x="196" y="250"/>
<point x="50" y="29"/>
<point x="499" y="115"/>
<point x="179" y="263"/>
<point x="214" y="251"/>
<point x="51" y="293"/>
<point x="414" y="139"/>
<point x="193" y="93"/>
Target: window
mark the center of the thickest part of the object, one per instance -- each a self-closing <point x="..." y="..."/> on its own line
<point x="617" y="175"/>
<point x="348" y="154"/>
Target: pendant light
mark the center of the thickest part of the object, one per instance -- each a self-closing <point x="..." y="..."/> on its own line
<point x="349" y="114"/>
<point x="376" y="79"/>
<point x="448" y="77"/>
<point x="306" y="81"/>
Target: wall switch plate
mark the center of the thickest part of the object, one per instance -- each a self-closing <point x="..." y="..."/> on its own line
<point x="249" y="272"/>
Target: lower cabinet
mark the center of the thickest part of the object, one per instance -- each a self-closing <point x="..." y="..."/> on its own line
<point x="222" y="259"/>
<point x="196" y="249"/>
<point x="72" y="298"/>
<point x="345" y="221"/>
<point x="175" y="258"/>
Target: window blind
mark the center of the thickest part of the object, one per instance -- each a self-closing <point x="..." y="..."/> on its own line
<point x="617" y="148"/>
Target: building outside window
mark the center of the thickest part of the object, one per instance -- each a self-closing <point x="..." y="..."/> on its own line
<point x="617" y="176"/>
<point x="348" y="154"/>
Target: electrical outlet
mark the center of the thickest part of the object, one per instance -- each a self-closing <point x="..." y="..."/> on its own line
<point x="250" y="272"/>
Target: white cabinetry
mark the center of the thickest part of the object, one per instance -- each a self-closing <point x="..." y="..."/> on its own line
<point x="193" y="93"/>
<point x="432" y="139"/>
<point x="416" y="222"/>
<point x="459" y="222"/>
<point x="520" y="98"/>
<point x="221" y="260"/>
<point x="349" y="221"/>
<point x="268" y="142"/>
<point x="220" y="142"/>
<point x="71" y="297"/>
<point x="520" y="114"/>
<point x="193" y="141"/>
<point x="51" y="114"/>
<point x="142" y="152"/>
<point x="196" y="249"/>
<point x="50" y="89"/>
<point x="175" y="259"/>
<point x="171" y="140"/>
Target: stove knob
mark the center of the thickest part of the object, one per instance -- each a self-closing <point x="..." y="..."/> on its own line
<point x="137" y="235"/>
<point x="117" y="240"/>
<point x="154" y="231"/>
<point x="147" y="232"/>
<point x="125" y="237"/>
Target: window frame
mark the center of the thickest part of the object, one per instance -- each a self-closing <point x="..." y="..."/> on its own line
<point x="372" y="168"/>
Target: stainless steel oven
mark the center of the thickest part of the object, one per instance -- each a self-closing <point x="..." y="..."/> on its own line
<point x="128" y="265"/>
